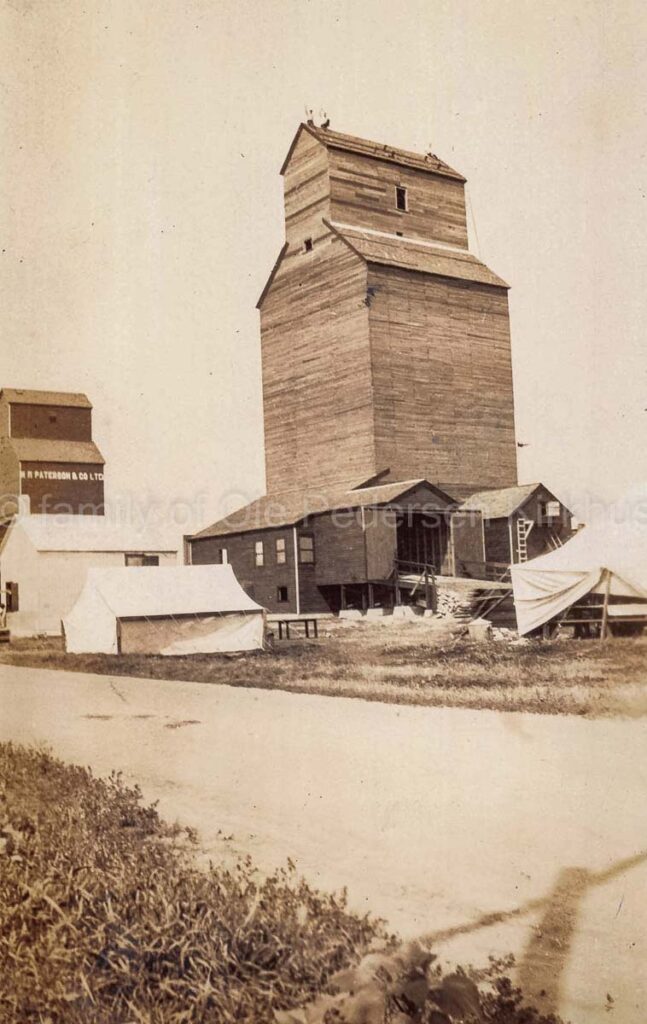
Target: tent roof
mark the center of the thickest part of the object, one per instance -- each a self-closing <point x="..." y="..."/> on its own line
<point x="499" y="504"/>
<point x="176" y="590"/>
<point x="89" y="533"/>
<point x="35" y="449"/>
<point x="273" y="511"/>
<point x="551" y="583"/>
<point x="413" y="254"/>
<point x="25" y="396"/>
<point x="379" y="151"/>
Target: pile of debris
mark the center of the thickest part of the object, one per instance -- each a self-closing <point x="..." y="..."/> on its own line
<point x="451" y="606"/>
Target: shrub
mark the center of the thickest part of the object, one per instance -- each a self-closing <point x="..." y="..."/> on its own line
<point x="105" y="919"/>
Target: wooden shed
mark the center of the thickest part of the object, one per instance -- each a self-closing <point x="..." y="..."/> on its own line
<point x="518" y="523"/>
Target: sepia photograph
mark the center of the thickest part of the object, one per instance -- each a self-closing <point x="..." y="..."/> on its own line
<point x="323" y="512"/>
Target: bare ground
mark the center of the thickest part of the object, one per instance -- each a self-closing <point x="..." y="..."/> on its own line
<point x="423" y="662"/>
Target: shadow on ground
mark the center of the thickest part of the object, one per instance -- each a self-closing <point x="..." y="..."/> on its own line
<point x="540" y="971"/>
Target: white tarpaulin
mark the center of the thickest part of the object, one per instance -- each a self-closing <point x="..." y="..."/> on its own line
<point x="550" y="584"/>
<point x="187" y="609"/>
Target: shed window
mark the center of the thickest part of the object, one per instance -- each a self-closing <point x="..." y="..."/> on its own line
<point x="307" y="245"/>
<point x="280" y="550"/>
<point x="141" y="559"/>
<point x="224" y="556"/>
<point x="306" y="549"/>
<point x="401" y="198"/>
<point x="259" y="554"/>
<point x="551" y="510"/>
<point x="281" y="594"/>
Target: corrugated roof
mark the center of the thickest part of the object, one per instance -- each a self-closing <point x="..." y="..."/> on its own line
<point x="392" y="251"/>
<point x="90" y="533"/>
<point x="273" y="511"/>
<point x="379" y="151"/>
<point x="35" y="449"/>
<point x="27" y="397"/>
<point x="501" y="503"/>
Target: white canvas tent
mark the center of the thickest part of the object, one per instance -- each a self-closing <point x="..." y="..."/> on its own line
<point x="601" y="557"/>
<point x="180" y="610"/>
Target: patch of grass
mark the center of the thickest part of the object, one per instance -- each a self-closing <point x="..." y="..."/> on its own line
<point x="408" y="663"/>
<point x="105" y="919"/>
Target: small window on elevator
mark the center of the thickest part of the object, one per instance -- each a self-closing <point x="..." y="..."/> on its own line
<point x="401" y="198"/>
<point x="307" y="245"/>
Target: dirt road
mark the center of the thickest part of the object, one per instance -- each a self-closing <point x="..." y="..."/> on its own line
<point x="490" y="832"/>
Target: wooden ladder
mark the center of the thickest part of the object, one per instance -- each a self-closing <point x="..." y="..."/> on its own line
<point x="524" y="526"/>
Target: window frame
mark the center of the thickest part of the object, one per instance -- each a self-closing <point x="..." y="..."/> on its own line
<point x="259" y="554"/>
<point x="401" y="190"/>
<point x="280" y="590"/>
<point x="280" y="553"/>
<point x="148" y="561"/>
<point x="310" y="551"/>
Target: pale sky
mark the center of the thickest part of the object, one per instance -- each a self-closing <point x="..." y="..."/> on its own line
<point x="141" y="211"/>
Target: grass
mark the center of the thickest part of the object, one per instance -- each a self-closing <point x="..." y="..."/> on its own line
<point x="105" y="919"/>
<point x="408" y="663"/>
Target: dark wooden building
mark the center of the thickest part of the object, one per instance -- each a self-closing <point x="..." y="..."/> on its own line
<point x="47" y="456"/>
<point x="519" y="522"/>
<point x="387" y="383"/>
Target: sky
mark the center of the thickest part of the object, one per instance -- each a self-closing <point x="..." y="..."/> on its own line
<point x="141" y="213"/>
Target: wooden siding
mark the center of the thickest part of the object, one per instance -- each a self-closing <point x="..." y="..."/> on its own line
<point x="467" y="539"/>
<point x="381" y="542"/>
<point x="9" y="478"/>
<point x="497" y="540"/>
<point x="442" y="378"/>
<point x="260" y="582"/>
<point x="57" y="423"/>
<point x="317" y="396"/>
<point x="307" y="193"/>
<point x="340" y="550"/>
<point x="80" y="494"/>
<point x="362" y="193"/>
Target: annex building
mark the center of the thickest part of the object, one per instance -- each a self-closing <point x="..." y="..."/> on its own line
<point x="387" y="391"/>
<point x="53" y="526"/>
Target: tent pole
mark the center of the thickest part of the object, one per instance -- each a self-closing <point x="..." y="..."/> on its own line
<point x="604" y="629"/>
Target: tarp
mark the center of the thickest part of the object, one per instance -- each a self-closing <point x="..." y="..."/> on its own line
<point x="175" y="610"/>
<point x="550" y="584"/>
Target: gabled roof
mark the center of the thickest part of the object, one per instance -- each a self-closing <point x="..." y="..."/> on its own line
<point x="18" y="396"/>
<point x="274" y="511"/>
<point x="499" y="504"/>
<point x="36" y="449"/>
<point x="379" y="151"/>
<point x="409" y="254"/>
<point x="89" y="533"/>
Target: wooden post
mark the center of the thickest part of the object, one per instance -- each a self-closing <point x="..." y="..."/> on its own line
<point x="371" y="596"/>
<point x="604" y="628"/>
<point x="427" y="595"/>
<point x="342" y="602"/>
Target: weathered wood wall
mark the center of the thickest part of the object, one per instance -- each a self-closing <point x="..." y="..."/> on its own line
<point x="317" y="394"/>
<point x="60" y="423"/>
<point x="306" y="188"/>
<point x="442" y="378"/>
<point x="340" y="547"/>
<point x="260" y="582"/>
<point x="363" y="194"/>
